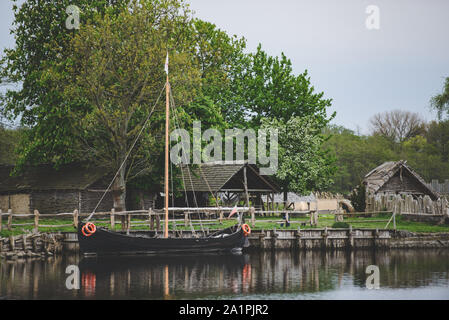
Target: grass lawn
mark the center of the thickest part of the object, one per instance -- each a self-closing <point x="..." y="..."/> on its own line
<point x="325" y="220"/>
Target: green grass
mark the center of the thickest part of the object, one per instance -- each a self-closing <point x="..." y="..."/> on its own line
<point x="325" y="220"/>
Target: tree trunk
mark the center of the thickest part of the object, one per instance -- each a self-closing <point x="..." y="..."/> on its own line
<point x="285" y="199"/>
<point x="119" y="191"/>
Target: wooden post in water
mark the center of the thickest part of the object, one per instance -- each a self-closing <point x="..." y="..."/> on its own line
<point x="75" y="218"/>
<point x="36" y="221"/>
<point x="112" y="217"/>
<point x="1" y="224"/>
<point x="9" y="219"/>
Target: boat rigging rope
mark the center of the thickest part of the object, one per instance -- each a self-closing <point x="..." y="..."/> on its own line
<point x="177" y="122"/>
<point x="127" y="155"/>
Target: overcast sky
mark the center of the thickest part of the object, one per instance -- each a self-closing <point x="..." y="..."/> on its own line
<point x="399" y="66"/>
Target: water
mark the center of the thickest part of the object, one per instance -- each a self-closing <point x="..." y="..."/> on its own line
<point x="411" y="274"/>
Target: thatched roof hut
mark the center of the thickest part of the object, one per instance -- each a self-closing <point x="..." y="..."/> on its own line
<point x="396" y="177"/>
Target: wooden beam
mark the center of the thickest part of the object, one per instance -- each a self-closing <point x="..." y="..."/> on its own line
<point x="245" y="185"/>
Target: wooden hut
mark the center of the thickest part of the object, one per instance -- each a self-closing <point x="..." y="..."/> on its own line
<point x="396" y="177"/>
<point x="226" y="181"/>
<point x="71" y="187"/>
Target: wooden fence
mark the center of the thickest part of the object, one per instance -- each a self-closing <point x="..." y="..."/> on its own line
<point x="406" y="204"/>
<point x="152" y="218"/>
<point x="186" y="217"/>
<point x="442" y="188"/>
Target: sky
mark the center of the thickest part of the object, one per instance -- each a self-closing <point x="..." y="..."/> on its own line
<point x="400" y="65"/>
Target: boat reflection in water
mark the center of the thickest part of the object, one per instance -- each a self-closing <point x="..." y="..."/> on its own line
<point x="163" y="276"/>
<point x="417" y="274"/>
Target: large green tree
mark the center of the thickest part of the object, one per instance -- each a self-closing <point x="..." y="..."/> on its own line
<point x="116" y="70"/>
<point x="264" y="86"/>
<point x="42" y="42"/>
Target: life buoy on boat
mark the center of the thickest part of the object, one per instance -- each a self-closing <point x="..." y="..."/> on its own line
<point x="246" y="229"/>
<point x="88" y="229"/>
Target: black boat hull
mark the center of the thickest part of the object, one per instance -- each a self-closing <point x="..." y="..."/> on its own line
<point x="108" y="242"/>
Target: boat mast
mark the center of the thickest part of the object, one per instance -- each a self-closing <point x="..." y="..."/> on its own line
<point x="167" y="123"/>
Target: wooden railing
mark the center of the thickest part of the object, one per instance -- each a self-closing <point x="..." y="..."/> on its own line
<point x="154" y="219"/>
<point x="151" y="217"/>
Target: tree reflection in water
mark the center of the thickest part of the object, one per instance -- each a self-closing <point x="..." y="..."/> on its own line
<point x="214" y="276"/>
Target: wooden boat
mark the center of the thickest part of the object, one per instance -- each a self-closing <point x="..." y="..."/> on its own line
<point x="103" y="241"/>
<point x="107" y="242"/>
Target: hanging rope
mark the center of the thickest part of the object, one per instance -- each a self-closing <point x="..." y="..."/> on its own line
<point x="127" y="155"/>
<point x="177" y="125"/>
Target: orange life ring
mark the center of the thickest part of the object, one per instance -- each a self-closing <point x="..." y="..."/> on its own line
<point x="246" y="229"/>
<point x="88" y="229"/>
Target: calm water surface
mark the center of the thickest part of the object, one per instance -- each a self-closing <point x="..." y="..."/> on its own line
<point x="411" y="274"/>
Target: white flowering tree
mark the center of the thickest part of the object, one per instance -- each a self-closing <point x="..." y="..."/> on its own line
<point x="303" y="164"/>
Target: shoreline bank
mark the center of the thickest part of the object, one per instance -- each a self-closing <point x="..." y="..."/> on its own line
<point x="48" y="244"/>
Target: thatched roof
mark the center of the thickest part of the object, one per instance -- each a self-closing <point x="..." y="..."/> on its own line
<point x="225" y="176"/>
<point x="379" y="176"/>
<point x="45" y="177"/>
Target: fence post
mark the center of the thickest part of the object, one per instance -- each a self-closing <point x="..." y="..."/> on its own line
<point x="186" y="220"/>
<point x="128" y="222"/>
<point x="9" y="219"/>
<point x="12" y="242"/>
<point x="394" y="221"/>
<point x="253" y="216"/>
<point x="1" y="225"/>
<point x="123" y="219"/>
<point x="158" y="222"/>
<point x="36" y="221"/>
<point x="151" y="219"/>
<point x="112" y="217"/>
<point x="75" y="218"/>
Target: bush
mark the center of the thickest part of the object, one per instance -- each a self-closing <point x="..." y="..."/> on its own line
<point x="358" y="198"/>
<point x="340" y="225"/>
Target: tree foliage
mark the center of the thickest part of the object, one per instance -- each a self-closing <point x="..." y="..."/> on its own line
<point x="397" y="125"/>
<point x="84" y="94"/>
<point x="356" y="155"/>
<point x="303" y="165"/>
<point x="440" y="102"/>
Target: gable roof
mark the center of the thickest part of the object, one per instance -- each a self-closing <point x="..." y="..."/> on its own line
<point x="379" y="176"/>
<point x="46" y="177"/>
<point x="225" y="176"/>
